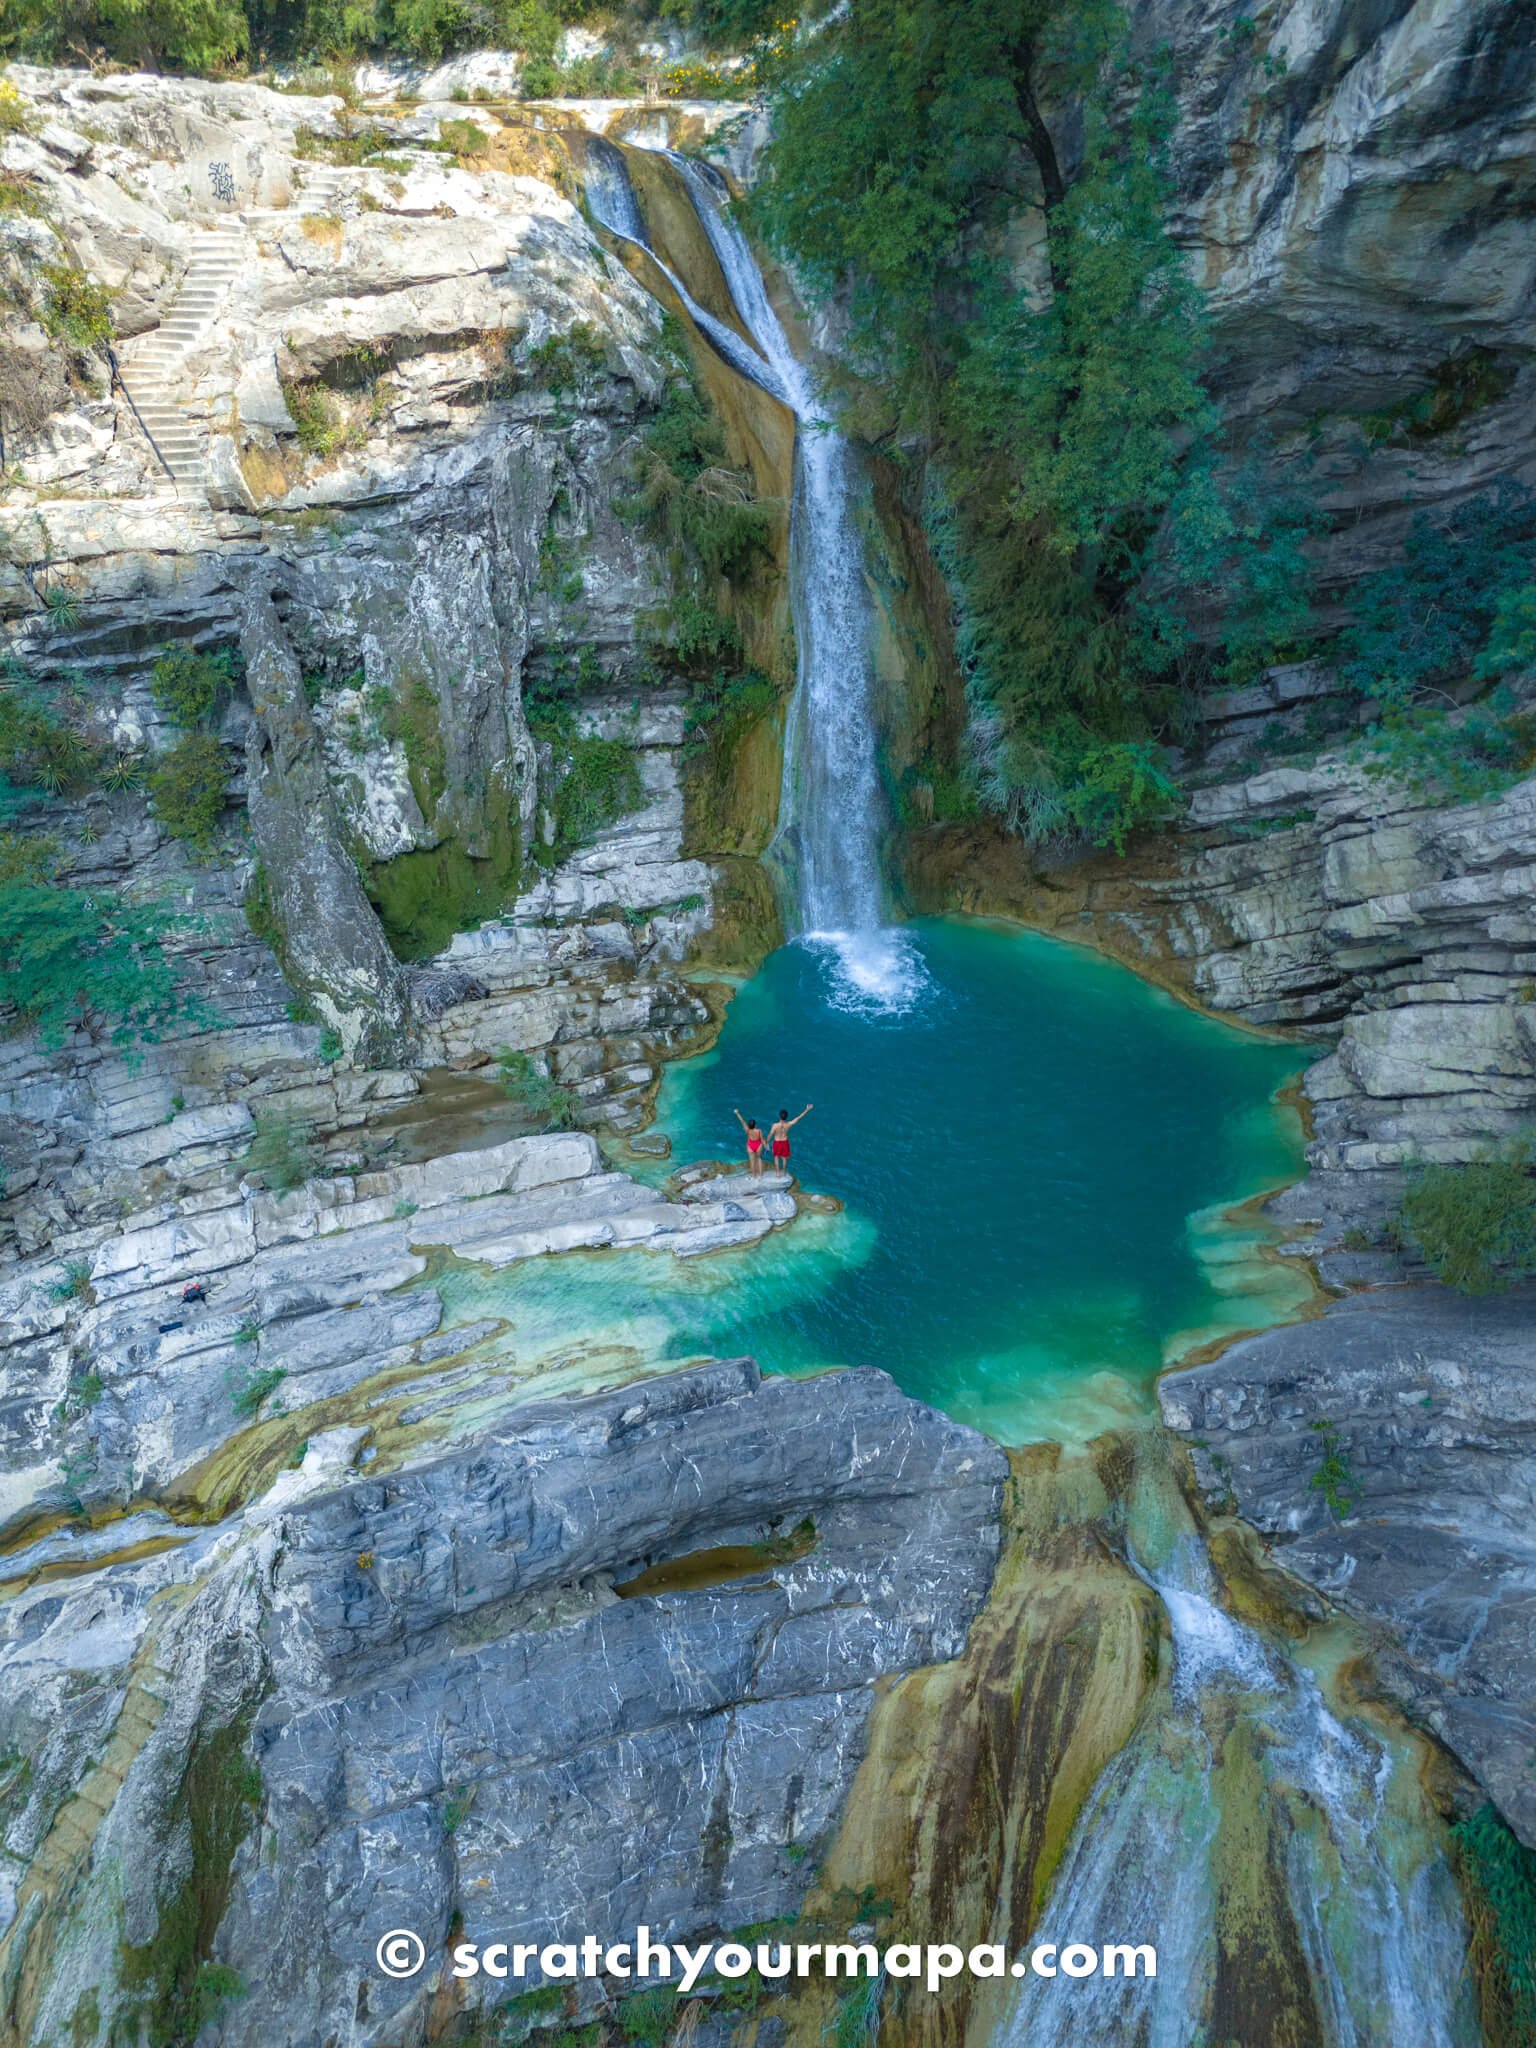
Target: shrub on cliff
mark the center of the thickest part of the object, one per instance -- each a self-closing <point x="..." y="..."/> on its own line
<point x="1475" y="1224"/>
<point x="1455" y="608"/>
<point x="180" y="35"/>
<point x="75" y="310"/>
<point x="187" y="685"/>
<point x="71" y="959"/>
<point x="282" y="1153"/>
<point x="42" y="750"/>
<point x="687" y="493"/>
<point x="547" y="1105"/>
<point x="599" y="782"/>
<point x="1498" y="1875"/>
<point x="187" y="791"/>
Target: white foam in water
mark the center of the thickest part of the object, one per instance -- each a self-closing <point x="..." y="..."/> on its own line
<point x="1207" y="1642"/>
<point x="879" y="972"/>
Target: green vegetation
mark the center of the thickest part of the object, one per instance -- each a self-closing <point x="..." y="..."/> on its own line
<point x="412" y="717"/>
<point x="547" y="1105"/>
<point x="352" y="146"/>
<point x="16" y="116"/>
<point x="317" y="420"/>
<point x="1334" y="1478"/>
<point x="1498" y="1881"/>
<point x="217" y="36"/>
<point x="425" y="896"/>
<point x="20" y="193"/>
<point x="71" y="959"/>
<point x="456" y="1809"/>
<point x="248" y="1388"/>
<point x="1475" y="1224"/>
<point x="282" y="1152"/>
<point x="187" y="685"/>
<point x="171" y="1985"/>
<point x="564" y="362"/>
<point x="646" y="2018"/>
<point x="687" y="493"/>
<point x="39" y="749"/>
<point x="721" y="705"/>
<point x="75" y="310"/>
<point x="464" y="139"/>
<point x="1457" y="603"/>
<point x="75" y="1283"/>
<point x="858" y="2014"/>
<point x="62" y="607"/>
<point x="599" y="782"/>
<point x="186" y="792"/>
<point x="1457" y="388"/>
<point x="24" y="858"/>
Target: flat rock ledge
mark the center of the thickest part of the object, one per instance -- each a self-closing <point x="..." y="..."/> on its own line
<point x="119" y="1391"/>
<point x="467" y="1707"/>
<point x="1429" y="1401"/>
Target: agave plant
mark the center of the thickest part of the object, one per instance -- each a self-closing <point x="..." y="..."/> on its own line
<point x="62" y="606"/>
<point x="124" y="772"/>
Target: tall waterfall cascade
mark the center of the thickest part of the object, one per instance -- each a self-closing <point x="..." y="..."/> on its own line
<point x="827" y="846"/>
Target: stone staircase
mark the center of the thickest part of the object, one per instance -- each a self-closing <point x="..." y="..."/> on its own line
<point x="326" y="191"/>
<point x="154" y="377"/>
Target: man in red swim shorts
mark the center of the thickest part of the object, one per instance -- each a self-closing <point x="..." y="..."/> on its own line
<point x="778" y="1135"/>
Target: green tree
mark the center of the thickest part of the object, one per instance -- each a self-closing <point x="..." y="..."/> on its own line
<point x="1454" y="607"/>
<point x="1512" y="638"/>
<point x="182" y="35"/>
<point x="187" y="685"/>
<point x="71" y="959"/>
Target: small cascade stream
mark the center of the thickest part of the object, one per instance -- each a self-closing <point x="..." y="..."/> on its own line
<point x="1241" y="1739"/>
<point x="612" y="200"/>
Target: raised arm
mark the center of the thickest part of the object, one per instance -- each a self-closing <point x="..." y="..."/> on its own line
<point x="739" y="1118"/>
<point x="803" y="1114"/>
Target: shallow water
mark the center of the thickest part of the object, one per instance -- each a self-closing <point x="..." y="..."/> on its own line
<point x="1035" y="1154"/>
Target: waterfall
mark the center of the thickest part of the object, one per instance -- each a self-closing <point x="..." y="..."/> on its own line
<point x="612" y="200"/>
<point x="1379" y="1925"/>
<point x="830" y="810"/>
<point x="827" y="845"/>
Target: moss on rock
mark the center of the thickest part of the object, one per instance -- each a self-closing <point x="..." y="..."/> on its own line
<point x="424" y="898"/>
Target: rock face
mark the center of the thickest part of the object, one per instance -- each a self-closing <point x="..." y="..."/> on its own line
<point x="438" y="540"/>
<point x="334" y="948"/>
<point x="311" y="1319"/>
<point x="1428" y="1403"/>
<point x="468" y="1707"/>
<point x="1350" y="186"/>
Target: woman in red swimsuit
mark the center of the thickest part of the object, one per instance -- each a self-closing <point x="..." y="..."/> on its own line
<point x="780" y="1131"/>
<point x="754" y="1140"/>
